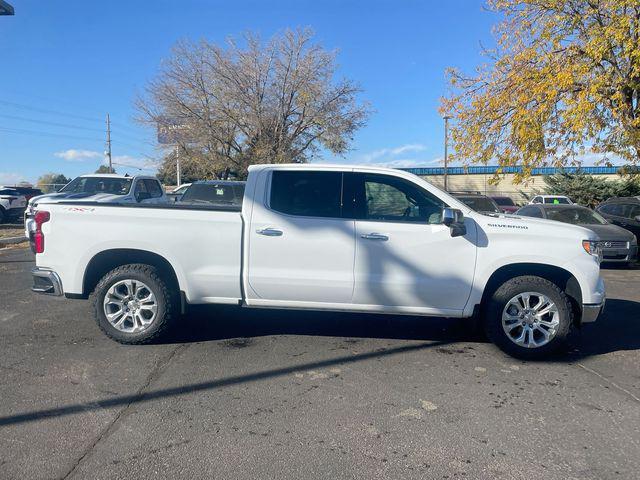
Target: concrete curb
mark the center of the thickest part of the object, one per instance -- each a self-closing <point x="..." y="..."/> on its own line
<point x="12" y="240"/>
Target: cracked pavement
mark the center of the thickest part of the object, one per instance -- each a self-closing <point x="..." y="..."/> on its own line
<point x="284" y="394"/>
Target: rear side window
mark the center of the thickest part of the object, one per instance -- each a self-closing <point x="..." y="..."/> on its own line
<point x="307" y="194"/>
<point x="153" y="188"/>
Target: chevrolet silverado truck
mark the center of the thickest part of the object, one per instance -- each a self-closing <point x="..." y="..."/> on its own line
<point x="323" y="237"/>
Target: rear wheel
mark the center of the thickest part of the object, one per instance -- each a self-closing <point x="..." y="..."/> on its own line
<point x="529" y="317"/>
<point x="134" y="305"/>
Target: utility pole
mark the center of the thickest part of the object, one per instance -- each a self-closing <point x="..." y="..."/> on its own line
<point x="178" y="165"/>
<point x="446" y="151"/>
<point x="109" y="143"/>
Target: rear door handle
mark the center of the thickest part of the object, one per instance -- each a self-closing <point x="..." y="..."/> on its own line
<point x="269" y="232"/>
<point x="375" y="236"/>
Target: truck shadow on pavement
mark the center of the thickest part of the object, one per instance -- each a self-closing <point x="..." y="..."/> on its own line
<point x="211" y="323"/>
<point x="617" y="329"/>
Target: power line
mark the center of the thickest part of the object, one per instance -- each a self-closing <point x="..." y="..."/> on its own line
<point x="45" y="122"/>
<point x="44" y="134"/>
<point x="64" y="114"/>
<point x="51" y="112"/>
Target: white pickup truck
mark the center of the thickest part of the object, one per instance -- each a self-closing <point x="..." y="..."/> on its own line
<point x="323" y="237"/>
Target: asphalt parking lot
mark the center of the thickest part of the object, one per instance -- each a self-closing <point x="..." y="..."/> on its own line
<point x="272" y="394"/>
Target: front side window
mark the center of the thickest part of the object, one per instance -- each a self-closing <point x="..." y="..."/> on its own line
<point x="392" y="199"/>
<point x="307" y="194"/>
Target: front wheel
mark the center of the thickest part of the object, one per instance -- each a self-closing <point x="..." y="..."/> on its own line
<point x="529" y="317"/>
<point x="134" y="305"/>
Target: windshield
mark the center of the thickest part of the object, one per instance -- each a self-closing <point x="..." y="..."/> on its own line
<point x="504" y="201"/>
<point x="480" y="204"/>
<point x="112" y="186"/>
<point x="557" y="200"/>
<point x="214" y="193"/>
<point x="576" y="216"/>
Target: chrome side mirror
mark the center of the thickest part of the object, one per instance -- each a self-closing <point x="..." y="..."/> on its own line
<point x="454" y="219"/>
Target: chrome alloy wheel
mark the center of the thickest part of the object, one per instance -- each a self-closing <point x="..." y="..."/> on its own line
<point x="530" y="319"/>
<point x="130" y="306"/>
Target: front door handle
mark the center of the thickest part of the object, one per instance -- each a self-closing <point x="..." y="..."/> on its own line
<point x="375" y="236"/>
<point x="269" y="232"/>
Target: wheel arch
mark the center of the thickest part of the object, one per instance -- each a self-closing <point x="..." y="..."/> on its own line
<point x="561" y="277"/>
<point x="105" y="261"/>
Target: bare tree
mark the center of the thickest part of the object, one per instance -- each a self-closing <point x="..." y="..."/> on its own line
<point x="254" y="103"/>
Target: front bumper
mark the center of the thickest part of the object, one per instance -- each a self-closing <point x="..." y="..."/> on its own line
<point x="591" y="312"/>
<point x="46" y="281"/>
<point x="620" y="255"/>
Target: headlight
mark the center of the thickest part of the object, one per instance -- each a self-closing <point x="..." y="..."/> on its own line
<point x="592" y="247"/>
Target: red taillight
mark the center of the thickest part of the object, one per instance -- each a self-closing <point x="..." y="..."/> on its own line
<point x="40" y="217"/>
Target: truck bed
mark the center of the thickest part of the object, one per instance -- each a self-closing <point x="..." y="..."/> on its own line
<point x="202" y="243"/>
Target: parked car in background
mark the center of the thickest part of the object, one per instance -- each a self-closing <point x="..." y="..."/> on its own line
<point x="12" y="204"/>
<point x="177" y="192"/>
<point x="617" y="244"/>
<point x="214" y="192"/>
<point x="624" y="212"/>
<point x="102" y="188"/>
<point x="505" y="204"/>
<point x="28" y="192"/>
<point x="551" y="200"/>
<point x="478" y="202"/>
<point x="323" y="237"/>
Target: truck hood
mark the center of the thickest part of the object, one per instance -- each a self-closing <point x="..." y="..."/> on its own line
<point x="82" y="196"/>
<point x="612" y="232"/>
<point x="505" y="223"/>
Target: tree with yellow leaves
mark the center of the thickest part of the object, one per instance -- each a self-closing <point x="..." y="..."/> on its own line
<point x="563" y="81"/>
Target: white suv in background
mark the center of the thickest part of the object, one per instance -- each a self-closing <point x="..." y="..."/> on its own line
<point x="12" y="204"/>
<point x="102" y="188"/>
<point x="551" y="200"/>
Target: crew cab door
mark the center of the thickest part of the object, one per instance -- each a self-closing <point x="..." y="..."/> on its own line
<point x="300" y="248"/>
<point x="406" y="259"/>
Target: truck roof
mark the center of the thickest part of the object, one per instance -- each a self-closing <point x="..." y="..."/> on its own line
<point x="323" y="166"/>
<point x="115" y="175"/>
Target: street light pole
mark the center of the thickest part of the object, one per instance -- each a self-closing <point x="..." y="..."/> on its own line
<point x="178" y="180"/>
<point x="446" y="151"/>
<point x="109" y="143"/>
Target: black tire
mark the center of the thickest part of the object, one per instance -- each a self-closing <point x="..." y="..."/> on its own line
<point x="3" y="215"/>
<point x="166" y="299"/>
<point x="510" y="289"/>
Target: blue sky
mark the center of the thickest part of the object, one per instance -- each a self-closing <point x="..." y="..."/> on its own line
<point x="64" y="65"/>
